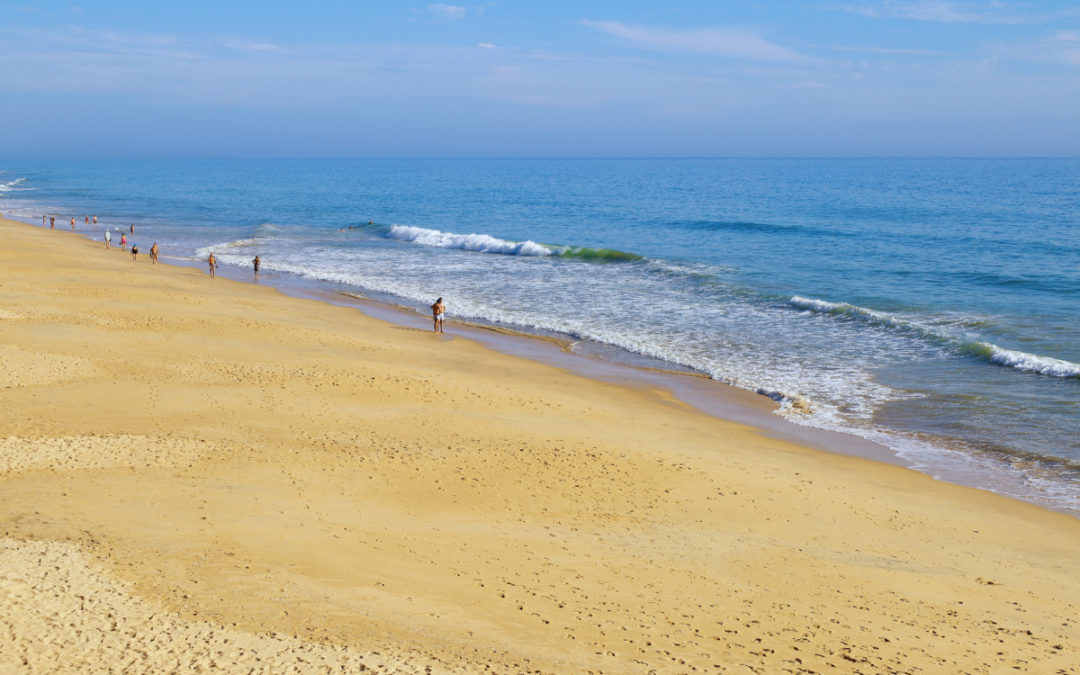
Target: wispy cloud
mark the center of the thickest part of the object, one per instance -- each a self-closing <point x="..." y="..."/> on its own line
<point x="248" y="45"/>
<point x="940" y="11"/>
<point x="888" y="51"/>
<point x="486" y="45"/>
<point x="1061" y="47"/>
<point x="711" y="41"/>
<point x="451" y="12"/>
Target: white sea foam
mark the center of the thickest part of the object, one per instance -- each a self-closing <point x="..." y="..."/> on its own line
<point x="482" y="243"/>
<point x="224" y="246"/>
<point x="825" y="307"/>
<point x="1032" y="363"/>
<point x="10" y="185"/>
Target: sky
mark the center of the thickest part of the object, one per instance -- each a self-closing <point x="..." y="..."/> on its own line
<point x="353" y="79"/>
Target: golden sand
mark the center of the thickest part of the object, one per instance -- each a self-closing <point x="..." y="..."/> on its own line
<point x="206" y="474"/>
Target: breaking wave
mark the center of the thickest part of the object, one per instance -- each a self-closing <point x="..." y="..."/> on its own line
<point x="10" y="185"/>
<point x="485" y="243"/>
<point x="1029" y="363"/>
<point x="481" y="243"/>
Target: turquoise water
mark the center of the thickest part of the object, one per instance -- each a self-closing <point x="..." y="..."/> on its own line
<point x="926" y="304"/>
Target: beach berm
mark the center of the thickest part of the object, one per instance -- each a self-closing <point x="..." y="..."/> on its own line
<point x="211" y="475"/>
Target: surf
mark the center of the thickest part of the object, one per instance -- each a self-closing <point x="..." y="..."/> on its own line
<point x="1018" y="360"/>
<point x="10" y="185"/>
<point x="486" y="243"/>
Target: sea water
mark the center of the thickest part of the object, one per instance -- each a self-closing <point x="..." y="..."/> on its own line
<point x="928" y="304"/>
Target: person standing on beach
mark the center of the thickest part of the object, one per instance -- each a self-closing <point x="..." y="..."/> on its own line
<point x="95" y="220"/>
<point x="154" y="253"/>
<point x="212" y="262"/>
<point x="43" y="219"/>
<point x="86" y="221"/>
<point x="108" y="238"/>
<point x="73" y="223"/>
<point x="52" y="222"/>
<point x="134" y="251"/>
<point x="255" y="263"/>
<point x="438" y="311"/>
<point x="123" y="241"/>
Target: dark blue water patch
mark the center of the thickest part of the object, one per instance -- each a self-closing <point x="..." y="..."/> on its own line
<point x="740" y="226"/>
<point x="1056" y="284"/>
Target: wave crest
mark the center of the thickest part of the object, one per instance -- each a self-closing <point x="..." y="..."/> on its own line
<point x="1023" y="361"/>
<point x="1029" y="363"/>
<point x="485" y="243"/>
<point x="481" y="243"/>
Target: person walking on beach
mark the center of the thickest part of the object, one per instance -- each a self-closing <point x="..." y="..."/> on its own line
<point x="52" y="222"/>
<point x="108" y="238"/>
<point x="123" y="241"/>
<point x="212" y="262"/>
<point x="438" y="311"/>
<point x="154" y="253"/>
<point x="255" y="263"/>
<point x="73" y="223"/>
<point x="134" y="251"/>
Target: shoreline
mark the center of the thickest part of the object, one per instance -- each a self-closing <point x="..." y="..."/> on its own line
<point x="712" y="397"/>
<point x="246" y="464"/>
<point x="983" y="471"/>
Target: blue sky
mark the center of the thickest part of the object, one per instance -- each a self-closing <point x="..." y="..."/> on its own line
<point x="497" y="79"/>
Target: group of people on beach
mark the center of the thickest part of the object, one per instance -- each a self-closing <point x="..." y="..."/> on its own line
<point x="438" y="309"/>
<point x="50" y="222"/>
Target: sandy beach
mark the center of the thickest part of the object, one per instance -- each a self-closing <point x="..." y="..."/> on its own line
<point x="202" y="474"/>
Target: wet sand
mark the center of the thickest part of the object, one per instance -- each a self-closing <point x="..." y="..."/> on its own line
<point x="201" y="473"/>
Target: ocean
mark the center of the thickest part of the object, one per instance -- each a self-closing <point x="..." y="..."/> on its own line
<point x="929" y="305"/>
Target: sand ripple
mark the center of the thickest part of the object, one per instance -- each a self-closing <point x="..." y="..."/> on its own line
<point x="23" y="368"/>
<point x="63" y="613"/>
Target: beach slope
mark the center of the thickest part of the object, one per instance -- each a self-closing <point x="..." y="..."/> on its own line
<point x="201" y="473"/>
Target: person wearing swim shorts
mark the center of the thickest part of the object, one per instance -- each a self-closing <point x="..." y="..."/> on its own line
<point x="255" y="263"/>
<point x="438" y="311"/>
<point x="212" y="262"/>
<point x="154" y="253"/>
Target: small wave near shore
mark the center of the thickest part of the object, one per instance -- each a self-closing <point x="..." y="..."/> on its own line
<point x="1022" y="361"/>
